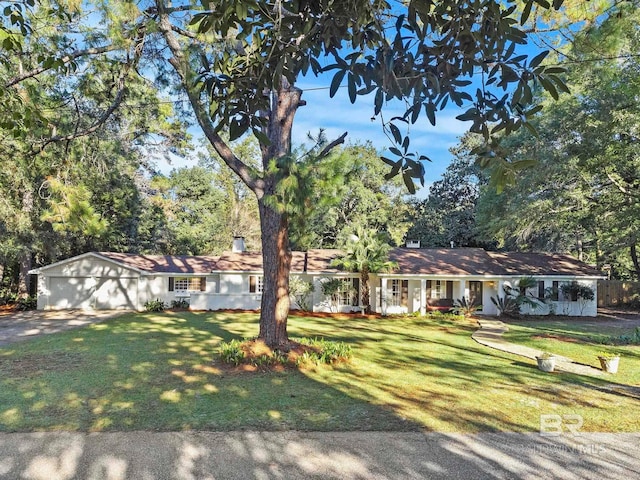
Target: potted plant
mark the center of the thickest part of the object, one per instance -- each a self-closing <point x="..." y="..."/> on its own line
<point x="546" y="362"/>
<point x="609" y="361"/>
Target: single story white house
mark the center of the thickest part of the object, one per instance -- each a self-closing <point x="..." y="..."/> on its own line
<point x="424" y="279"/>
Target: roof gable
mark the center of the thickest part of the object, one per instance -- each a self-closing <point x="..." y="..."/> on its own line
<point x="82" y="256"/>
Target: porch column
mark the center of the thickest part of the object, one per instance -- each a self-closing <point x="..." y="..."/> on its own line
<point x="423" y="296"/>
<point x="383" y="306"/>
<point x="463" y="290"/>
<point x="501" y="289"/>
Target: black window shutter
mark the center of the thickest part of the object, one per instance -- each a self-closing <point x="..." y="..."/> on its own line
<point x="252" y="284"/>
<point x="171" y="284"/>
<point x="355" y="301"/>
<point x="203" y="284"/>
<point x="449" y="289"/>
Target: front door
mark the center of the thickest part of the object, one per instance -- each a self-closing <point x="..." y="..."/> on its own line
<point x="475" y="293"/>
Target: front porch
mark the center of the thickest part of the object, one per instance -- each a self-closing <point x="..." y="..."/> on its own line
<point x="401" y="295"/>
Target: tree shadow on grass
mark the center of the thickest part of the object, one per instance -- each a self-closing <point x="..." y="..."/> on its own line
<point x="155" y="372"/>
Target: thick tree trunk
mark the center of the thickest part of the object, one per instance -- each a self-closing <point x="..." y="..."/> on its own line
<point x="276" y="253"/>
<point x="276" y="266"/>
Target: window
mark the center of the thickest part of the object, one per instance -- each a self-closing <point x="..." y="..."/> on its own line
<point x="440" y="289"/>
<point x="349" y="294"/>
<point x="398" y="293"/>
<point x="256" y="284"/>
<point x="437" y="290"/>
<point x="187" y="284"/>
<point x="541" y="289"/>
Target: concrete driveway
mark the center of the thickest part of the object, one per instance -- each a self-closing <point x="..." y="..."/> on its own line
<point x="19" y="326"/>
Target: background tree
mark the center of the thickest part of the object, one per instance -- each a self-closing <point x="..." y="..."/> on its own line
<point x="448" y="214"/>
<point x="364" y="198"/>
<point x="582" y="195"/>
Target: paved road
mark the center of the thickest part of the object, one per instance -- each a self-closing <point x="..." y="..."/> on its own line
<point x="18" y="326"/>
<point x="298" y="455"/>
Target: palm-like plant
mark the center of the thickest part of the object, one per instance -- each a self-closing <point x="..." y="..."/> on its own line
<point x="365" y="252"/>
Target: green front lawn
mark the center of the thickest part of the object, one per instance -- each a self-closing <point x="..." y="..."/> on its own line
<point x="155" y="372"/>
<point x="581" y="340"/>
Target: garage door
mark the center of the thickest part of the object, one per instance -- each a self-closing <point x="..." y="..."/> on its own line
<point x="87" y="292"/>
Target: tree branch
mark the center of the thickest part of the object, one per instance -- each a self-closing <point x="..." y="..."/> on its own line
<point x="325" y="151"/>
<point x="66" y="59"/>
<point x="181" y="66"/>
<point x="117" y="101"/>
<point x="183" y="32"/>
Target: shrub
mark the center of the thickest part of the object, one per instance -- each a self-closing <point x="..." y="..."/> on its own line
<point x="256" y="353"/>
<point x="633" y="302"/>
<point x="156" y="305"/>
<point x="180" y="304"/>
<point x="464" y="307"/>
<point x="326" y="351"/>
<point x="331" y="289"/>
<point x="630" y="339"/>
<point x="7" y="296"/>
<point x="506" y="306"/>
<point x="301" y="293"/>
<point x="577" y="291"/>
<point x="27" y="303"/>
<point x="231" y="352"/>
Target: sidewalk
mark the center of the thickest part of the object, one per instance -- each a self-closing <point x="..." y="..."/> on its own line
<point x="490" y="335"/>
<point x="300" y="455"/>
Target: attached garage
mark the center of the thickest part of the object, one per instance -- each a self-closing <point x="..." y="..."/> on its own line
<point x="112" y="281"/>
<point x="89" y="281"/>
<point x="93" y="293"/>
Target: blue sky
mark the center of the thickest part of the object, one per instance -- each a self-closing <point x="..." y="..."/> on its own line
<point x="337" y="115"/>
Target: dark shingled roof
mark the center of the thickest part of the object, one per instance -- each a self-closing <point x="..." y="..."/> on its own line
<point x="252" y="262"/>
<point x="410" y="261"/>
<point x="164" y="263"/>
<point x="516" y="263"/>
<point x="444" y="261"/>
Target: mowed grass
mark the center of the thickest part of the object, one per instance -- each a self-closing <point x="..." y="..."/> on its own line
<point x="155" y="372"/>
<point x="582" y="341"/>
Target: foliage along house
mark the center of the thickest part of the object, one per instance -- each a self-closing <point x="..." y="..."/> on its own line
<point x="424" y="279"/>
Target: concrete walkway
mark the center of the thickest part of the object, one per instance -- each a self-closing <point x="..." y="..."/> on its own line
<point x="317" y="455"/>
<point x="490" y="335"/>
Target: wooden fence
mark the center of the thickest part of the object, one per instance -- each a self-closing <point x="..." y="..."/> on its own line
<point x="616" y="293"/>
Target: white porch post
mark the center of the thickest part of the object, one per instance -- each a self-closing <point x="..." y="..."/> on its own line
<point x="423" y="296"/>
<point x="501" y="289"/>
<point x="463" y="289"/>
<point x="384" y="295"/>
